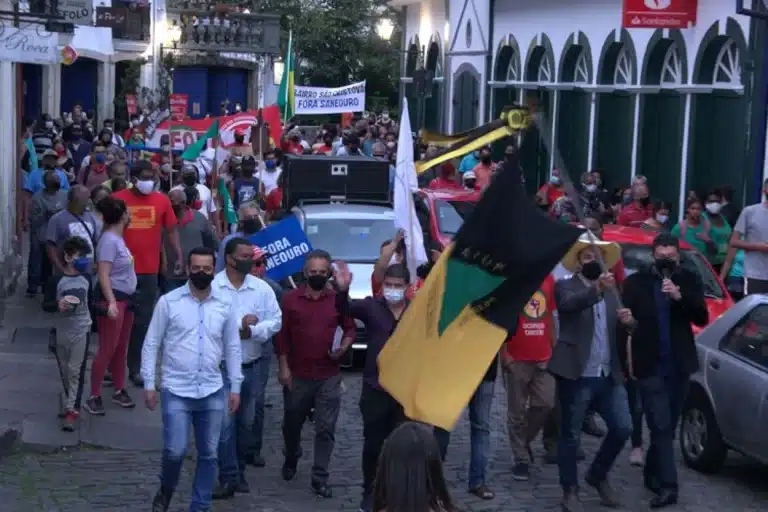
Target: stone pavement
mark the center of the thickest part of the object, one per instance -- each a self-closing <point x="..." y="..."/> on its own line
<point x="115" y="466"/>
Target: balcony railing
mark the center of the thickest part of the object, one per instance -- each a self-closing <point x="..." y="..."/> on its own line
<point x="208" y="27"/>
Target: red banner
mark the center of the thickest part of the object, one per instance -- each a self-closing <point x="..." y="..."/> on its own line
<point x="130" y="102"/>
<point x="659" y="13"/>
<point x="179" y="104"/>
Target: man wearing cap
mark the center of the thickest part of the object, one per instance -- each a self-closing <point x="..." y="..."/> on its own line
<point x="34" y="182"/>
<point x="586" y="365"/>
<point x="240" y="147"/>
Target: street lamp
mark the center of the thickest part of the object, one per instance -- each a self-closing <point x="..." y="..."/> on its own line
<point x="384" y="28"/>
<point x="278" y="69"/>
<point x="172" y="34"/>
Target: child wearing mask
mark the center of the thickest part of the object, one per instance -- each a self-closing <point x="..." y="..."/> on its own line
<point x="69" y="297"/>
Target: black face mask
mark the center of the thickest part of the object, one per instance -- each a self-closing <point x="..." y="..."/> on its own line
<point x="645" y="201"/>
<point x="52" y="186"/>
<point x="317" y="283"/>
<point x="239" y="140"/>
<point x="243" y="266"/>
<point x="177" y="208"/>
<point x="666" y="266"/>
<point x="189" y="180"/>
<point x="200" y="280"/>
<point x="48" y="166"/>
<point x="250" y="226"/>
<point x="591" y="271"/>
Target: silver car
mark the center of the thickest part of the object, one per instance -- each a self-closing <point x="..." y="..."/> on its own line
<point x="352" y="233"/>
<point x="727" y="406"/>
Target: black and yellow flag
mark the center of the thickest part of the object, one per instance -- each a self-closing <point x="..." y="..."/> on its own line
<point x="472" y="298"/>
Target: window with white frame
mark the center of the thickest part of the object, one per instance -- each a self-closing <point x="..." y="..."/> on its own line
<point x="672" y="67"/>
<point x="622" y="75"/>
<point x="728" y="65"/>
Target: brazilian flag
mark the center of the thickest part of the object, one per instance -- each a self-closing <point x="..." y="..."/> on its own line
<point x="471" y="301"/>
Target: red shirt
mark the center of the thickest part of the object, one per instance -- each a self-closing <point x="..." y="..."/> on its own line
<point x="482" y="175"/>
<point x="532" y="341"/>
<point x="443" y="183"/>
<point x="274" y="200"/>
<point x="553" y="193"/>
<point x="306" y="337"/>
<point x="149" y="214"/>
<point x="618" y="272"/>
<point x="634" y="215"/>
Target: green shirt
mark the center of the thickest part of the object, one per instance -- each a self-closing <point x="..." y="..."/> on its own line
<point x="690" y="236"/>
<point x="721" y="236"/>
<point x="230" y="215"/>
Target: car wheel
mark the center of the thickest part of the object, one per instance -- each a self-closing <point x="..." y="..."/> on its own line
<point x="701" y="442"/>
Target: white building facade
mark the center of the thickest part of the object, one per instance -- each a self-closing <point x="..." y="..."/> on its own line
<point x="675" y="105"/>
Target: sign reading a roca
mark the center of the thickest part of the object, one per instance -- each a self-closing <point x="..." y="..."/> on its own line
<point x="28" y="43"/>
<point x="659" y="13"/>
<point x="329" y="100"/>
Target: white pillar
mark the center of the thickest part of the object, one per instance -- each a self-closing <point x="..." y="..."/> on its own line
<point x="635" y="138"/>
<point x="52" y="89"/>
<point x="252" y="94"/>
<point x="591" y="143"/>
<point x="684" y="156"/>
<point x="9" y="139"/>
<point x="553" y="127"/>
<point x="106" y="94"/>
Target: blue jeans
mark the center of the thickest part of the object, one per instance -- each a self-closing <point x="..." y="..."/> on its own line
<point x="259" y="395"/>
<point x="479" y="433"/>
<point x="205" y="415"/>
<point x="236" y="429"/>
<point x="34" y="264"/>
<point x="662" y="399"/>
<point x="609" y="400"/>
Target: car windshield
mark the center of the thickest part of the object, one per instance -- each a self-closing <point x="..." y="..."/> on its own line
<point x="636" y="257"/>
<point x="451" y="215"/>
<point x="352" y="240"/>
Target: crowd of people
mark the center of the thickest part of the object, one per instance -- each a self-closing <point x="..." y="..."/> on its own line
<point x="152" y="257"/>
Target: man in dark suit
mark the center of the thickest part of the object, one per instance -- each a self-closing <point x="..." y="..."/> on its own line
<point x="585" y="362"/>
<point x="665" y="300"/>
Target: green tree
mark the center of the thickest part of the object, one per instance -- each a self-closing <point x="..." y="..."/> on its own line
<point x="336" y="43"/>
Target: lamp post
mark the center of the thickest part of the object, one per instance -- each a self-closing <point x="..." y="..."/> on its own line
<point x="278" y="69"/>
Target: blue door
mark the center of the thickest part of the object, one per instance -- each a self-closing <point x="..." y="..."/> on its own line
<point x="79" y="83"/>
<point x="194" y="83"/>
<point x="227" y="84"/>
<point x="32" y="76"/>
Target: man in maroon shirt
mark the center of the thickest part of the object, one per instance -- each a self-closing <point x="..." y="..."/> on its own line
<point x="309" y="366"/>
<point x="639" y="210"/>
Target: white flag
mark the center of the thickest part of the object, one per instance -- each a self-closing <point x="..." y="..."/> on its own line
<point x="406" y="183"/>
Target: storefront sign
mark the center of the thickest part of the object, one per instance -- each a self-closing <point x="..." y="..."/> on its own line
<point x="28" y="43"/>
<point x="112" y="17"/>
<point x="659" y="13"/>
<point x="179" y="104"/>
<point x="77" y="12"/>
<point x="326" y="100"/>
<point x="131" y="104"/>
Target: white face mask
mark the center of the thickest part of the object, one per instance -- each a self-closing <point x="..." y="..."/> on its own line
<point x="393" y="295"/>
<point x="49" y="124"/>
<point x="714" y="208"/>
<point x="135" y="122"/>
<point x="145" y="186"/>
<point x="590" y="188"/>
<point x="662" y="219"/>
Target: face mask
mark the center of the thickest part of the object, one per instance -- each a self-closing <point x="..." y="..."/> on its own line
<point x="200" y="280"/>
<point x="555" y="180"/>
<point x="49" y="124"/>
<point x="269" y="164"/>
<point x="243" y="266"/>
<point x="469" y="183"/>
<point x="666" y="266"/>
<point x="391" y="145"/>
<point x="145" y="186"/>
<point x="316" y="282"/>
<point x="165" y="148"/>
<point x="53" y="185"/>
<point x="662" y="219"/>
<point x="645" y="201"/>
<point x="393" y="295"/>
<point x="714" y="208"/>
<point x="99" y="158"/>
<point x="177" y="208"/>
<point x="81" y="264"/>
<point x="48" y="166"/>
<point x="626" y="200"/>
<point x="250" y="226"/>
<point x="591" y="271"/>
<point x="239" y="140"/>
<point x="590" y="188"/>
<point x="190" y="180"/>
<point x="135" y="123"/>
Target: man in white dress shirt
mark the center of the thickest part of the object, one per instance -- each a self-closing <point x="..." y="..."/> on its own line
<point x="196" y="327"/>
<point x="259" y="318"/>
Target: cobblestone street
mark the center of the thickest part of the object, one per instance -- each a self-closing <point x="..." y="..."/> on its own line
<point x="111" y="480"/>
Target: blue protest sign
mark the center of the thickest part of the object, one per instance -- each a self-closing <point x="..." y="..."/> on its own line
<point x="287" y="244"/>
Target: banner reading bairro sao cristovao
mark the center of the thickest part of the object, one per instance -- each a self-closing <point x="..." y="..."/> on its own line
<point x="330" y="100"/>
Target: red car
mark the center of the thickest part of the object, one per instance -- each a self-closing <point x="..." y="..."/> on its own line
<point x="636" y="246"/>
<point x="442" y="212"/>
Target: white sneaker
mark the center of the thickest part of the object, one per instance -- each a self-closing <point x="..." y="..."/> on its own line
<point x="637" y="457"/>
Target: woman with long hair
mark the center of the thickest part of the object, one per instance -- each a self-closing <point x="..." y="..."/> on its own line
<point x="409" y="477"/>
<point x="115" y="294"/>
